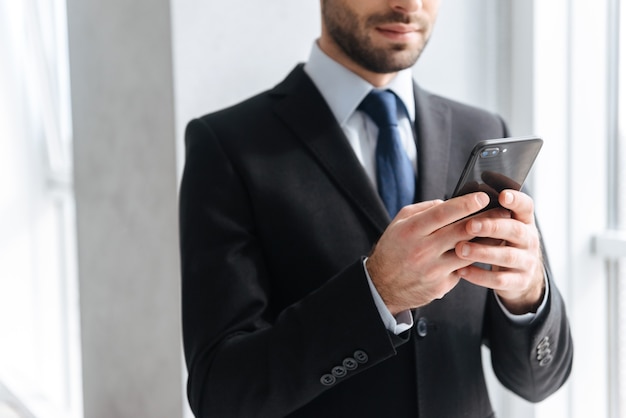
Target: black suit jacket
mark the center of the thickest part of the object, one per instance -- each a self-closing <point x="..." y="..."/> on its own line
<point x="276" y="214"/>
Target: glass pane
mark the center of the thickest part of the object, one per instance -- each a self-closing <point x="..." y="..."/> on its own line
<point x="39" y="349"/>
<point x="620" y="148"/>
<point x="619" y="195"/>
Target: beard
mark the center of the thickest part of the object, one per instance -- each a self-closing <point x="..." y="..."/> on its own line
<point x="350" y="34"/>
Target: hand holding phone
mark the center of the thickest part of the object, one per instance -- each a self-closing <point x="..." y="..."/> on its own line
<point x="510" y="246"/>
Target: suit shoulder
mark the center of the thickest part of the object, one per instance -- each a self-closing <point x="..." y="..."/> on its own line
<point x="242" y="110"/>
<point x="468" y="116"/>
<point x="241" y="123"/>
<point x="261" y="103"/>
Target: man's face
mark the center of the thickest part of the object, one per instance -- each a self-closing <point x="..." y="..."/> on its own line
<point x="380" y="36"/>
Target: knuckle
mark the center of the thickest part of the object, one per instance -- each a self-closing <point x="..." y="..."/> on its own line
<point x="443" y="214"/>
<point x="500" y="281"/>
<point x="527" y="204"/>
<point x="510" y="258"/>
<point x="405" y="212"/>
<point x="491" y="227"/>
<point x="440" y="215"/>
<point x="471" y="205"/>
<point x="518" y="230"/>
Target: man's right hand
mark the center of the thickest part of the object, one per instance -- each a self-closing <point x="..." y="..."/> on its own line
<point x="414" y="261"/>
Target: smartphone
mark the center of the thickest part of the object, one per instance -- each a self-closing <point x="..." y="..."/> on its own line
<point x="498" y="164"/>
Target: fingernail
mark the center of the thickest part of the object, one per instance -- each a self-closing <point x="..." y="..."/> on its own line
<point x="476" y="226"/>
<point x="483" y="199"/>
<point x="508" y="198"/>
<point x="465" y="250"/>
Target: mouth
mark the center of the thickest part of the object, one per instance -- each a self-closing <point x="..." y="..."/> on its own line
<point x="398" y="31"/>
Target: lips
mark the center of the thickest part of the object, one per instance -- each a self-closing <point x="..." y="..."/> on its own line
<point x="398" y="31"/>
<point x="399" y="28"/>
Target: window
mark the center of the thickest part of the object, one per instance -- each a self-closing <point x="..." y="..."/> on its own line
<point x="572" y="104"/>
<point x="610" y="245"/>
<point x="39" y="354"/>
<point x="617" y="216"/>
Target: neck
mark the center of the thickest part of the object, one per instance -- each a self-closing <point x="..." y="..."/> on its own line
<point x="333" y="51"/>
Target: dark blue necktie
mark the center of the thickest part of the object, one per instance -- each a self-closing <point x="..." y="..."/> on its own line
<point x="394" y="172"/>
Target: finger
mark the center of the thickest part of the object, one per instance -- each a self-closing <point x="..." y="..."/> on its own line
<point x="503" y="256"/>
<point x="448" y="212"/>
<point x="519" y="292"/>
<point x="416" y="208"/>
<point x="498" y="280"/>
<point x="450" y="263"/>
<point x="520" y="204"/>
<point x="497" y="213"/>
<point x="516" y="233"/>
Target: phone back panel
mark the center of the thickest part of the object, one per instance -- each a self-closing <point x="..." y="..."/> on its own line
<point x="498" y="164"/>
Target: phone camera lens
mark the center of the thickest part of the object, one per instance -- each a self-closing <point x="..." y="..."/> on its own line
<point x="490" y="152"/>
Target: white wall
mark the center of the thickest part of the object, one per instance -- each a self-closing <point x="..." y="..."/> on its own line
<point x="225" y="52"/>
<point x="463" y="59"/>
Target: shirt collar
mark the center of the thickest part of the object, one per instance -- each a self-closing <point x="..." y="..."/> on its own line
<point x="343" y="90"/>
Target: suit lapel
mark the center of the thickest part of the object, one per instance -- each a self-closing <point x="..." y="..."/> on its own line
<point x="304" y="110"/>
<point x="306" y="113"/>
<point x="433" y="144"/>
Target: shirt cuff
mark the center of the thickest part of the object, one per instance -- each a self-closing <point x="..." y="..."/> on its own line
<point x="396" y="324"/>
<point x="527" y="318"/>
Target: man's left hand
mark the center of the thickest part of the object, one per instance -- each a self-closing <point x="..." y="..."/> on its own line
<point x="517" y="275"/>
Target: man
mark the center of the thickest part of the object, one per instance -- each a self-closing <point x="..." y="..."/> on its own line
<point x="305" y="294"/>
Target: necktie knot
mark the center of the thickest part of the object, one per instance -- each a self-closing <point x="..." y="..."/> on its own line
<point x="380" y="105"/>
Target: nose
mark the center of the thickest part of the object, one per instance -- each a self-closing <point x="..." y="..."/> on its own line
<point x="407" y="6"/>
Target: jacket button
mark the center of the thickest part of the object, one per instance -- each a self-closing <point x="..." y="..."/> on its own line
<point x="328" y="380"/>
<point x="361" y="356"/>
<point x="339" y="371"/>
<point x="543" y="344"/>
<point x="544" y="354"/>
<point x="350" y="363"/>
<point x="545" y="361"/>
<point x="422" y="327"/>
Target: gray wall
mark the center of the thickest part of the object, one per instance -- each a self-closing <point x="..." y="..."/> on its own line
<point x="125" y="180"/>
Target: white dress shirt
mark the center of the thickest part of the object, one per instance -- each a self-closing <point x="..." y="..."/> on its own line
<point x="343" y="91"/>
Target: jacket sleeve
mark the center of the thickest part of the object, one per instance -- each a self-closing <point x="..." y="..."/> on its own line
<point x="532" y="360"/>
<point x="244" y="357"/>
